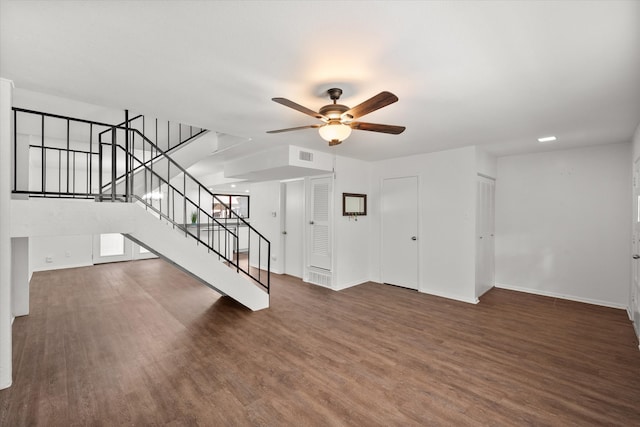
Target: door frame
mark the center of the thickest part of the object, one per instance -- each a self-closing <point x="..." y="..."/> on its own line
<point x="418" y="177"/>
<point x="634" y="289"/>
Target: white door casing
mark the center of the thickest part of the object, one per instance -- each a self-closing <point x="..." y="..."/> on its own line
<point x="634" y="300"/>
<point x="399" y="212"/>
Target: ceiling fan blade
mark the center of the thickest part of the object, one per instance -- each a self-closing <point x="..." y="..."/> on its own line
<point x="372" y="104"/>
<point x="296" y="128"/>
<point x="375" y="127"/>
<point x="298" y="107"/>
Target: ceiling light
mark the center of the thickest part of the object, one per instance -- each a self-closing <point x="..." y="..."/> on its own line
<point x="547" y="139"/>
<point x="233" y="186"/>
<point x="334" y="132"/>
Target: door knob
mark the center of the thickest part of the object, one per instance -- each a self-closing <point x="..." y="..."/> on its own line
<point x="414" y="238"/>
<point x="311" y="222"/>
<point x="636" y="256"/>
<point x="284" y="232"/>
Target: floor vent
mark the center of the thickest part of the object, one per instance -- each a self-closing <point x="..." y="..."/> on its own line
<point x="306" y="156"/>
<point x="322" y="279"/>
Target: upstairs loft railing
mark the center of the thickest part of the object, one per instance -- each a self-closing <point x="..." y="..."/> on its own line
<point x="59" y="156"/>
<point x="170" y="192"/>
<point x="63" y="151"/>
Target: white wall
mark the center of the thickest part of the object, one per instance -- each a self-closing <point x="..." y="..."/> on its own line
<point x="446" y="228"/>
<point x="64" y="252"/>
<point x="66" y="107"/>
<point x="486" y="164"/>
<point x="351" y="238"/>
<point x="563" y="223"/>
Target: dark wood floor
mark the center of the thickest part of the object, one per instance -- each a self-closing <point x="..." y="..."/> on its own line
<point x="141" y="343"/>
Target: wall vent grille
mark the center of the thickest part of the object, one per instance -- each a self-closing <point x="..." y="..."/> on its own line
<point x="306" y="156"/>
<point x="321" y="279"/>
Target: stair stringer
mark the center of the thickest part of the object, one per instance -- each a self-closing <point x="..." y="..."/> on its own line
<point x="169" y="243"/>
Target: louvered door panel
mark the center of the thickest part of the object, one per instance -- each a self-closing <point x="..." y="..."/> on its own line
<point x="320" y="227"/>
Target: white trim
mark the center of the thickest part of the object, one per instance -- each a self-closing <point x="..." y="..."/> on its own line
<point x="62" y="267"/>
<point x="630" y="313"/>
<point x="350" y="285"/>
<point x="450" y="296"/>
<point x="561" y="296"/>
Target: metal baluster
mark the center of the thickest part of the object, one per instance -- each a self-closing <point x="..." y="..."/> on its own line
<point x="90" y="161"/>
<point x="113" y="165"/>
<point x="15" y="151"/>
<point x="43" y="154"/>
<point x="67" y="157"/>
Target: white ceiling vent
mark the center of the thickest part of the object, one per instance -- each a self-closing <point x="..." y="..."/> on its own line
<point x="306" y="156"/>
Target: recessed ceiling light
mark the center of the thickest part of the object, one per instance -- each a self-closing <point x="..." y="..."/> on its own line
<point x="246" y="191"/>
<point x="547" y="139"/>
<point x="233" y="186"/>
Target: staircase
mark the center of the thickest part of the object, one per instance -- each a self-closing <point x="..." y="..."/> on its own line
<point x="119" y="165"/>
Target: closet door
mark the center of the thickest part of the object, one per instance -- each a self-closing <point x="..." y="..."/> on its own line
<point x="485" y="235"/>
<point x="399" y="208"/>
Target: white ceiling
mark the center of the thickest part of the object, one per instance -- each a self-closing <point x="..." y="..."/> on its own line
<point x="495" y="74"/>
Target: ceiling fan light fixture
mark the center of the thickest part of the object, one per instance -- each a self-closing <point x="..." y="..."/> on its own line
<point x="334" y="131"/>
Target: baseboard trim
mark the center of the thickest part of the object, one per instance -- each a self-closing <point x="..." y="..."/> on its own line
<point x="62" y="267"/>
<point x="350" y="285"/>
<point x="560" y="296"/>
<point x="449" y="296"/>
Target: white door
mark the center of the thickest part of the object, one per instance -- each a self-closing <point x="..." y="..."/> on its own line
<point x="293" y="227"/>
<point x="319" y="227"/>
<point x="485" y="230"/>
<point x="635" y="238"/>
<point x="399" y="209"/>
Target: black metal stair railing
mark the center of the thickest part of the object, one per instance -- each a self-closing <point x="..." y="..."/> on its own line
<point x="65" y="157"/>
<point x="174" y="195"/>
<point x="63" y="151"/>
<point x="176" y="135"/>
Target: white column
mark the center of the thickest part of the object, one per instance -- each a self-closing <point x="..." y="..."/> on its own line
<point x="20" y="276"/>
<point x="6" y="94"/>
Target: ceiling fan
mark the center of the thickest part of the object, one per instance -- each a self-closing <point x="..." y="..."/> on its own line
<point x="338" y="118"/>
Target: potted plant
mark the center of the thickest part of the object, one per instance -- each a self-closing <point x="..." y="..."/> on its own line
<point x="194" y="217"/>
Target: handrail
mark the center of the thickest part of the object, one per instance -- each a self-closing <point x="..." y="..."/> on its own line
<point x="233" y="220"/>
<point x="169" y="145"/>
<point x="184" y="171"/>
<point x="84" y="177"/>
<point x="180" y="142"/>
<point x="58" y="116"/>
<point x="169" y="185"/>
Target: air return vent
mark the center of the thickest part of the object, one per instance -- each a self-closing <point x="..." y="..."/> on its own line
<point x="306" y="156"/>
<point x="318" y="278"/>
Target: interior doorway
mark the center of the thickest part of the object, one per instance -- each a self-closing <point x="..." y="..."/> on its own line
<point x="399" y="209"/>
<point x="293" y="227"/>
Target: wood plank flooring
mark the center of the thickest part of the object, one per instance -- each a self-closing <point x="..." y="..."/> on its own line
<point x="142" y="343"/>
